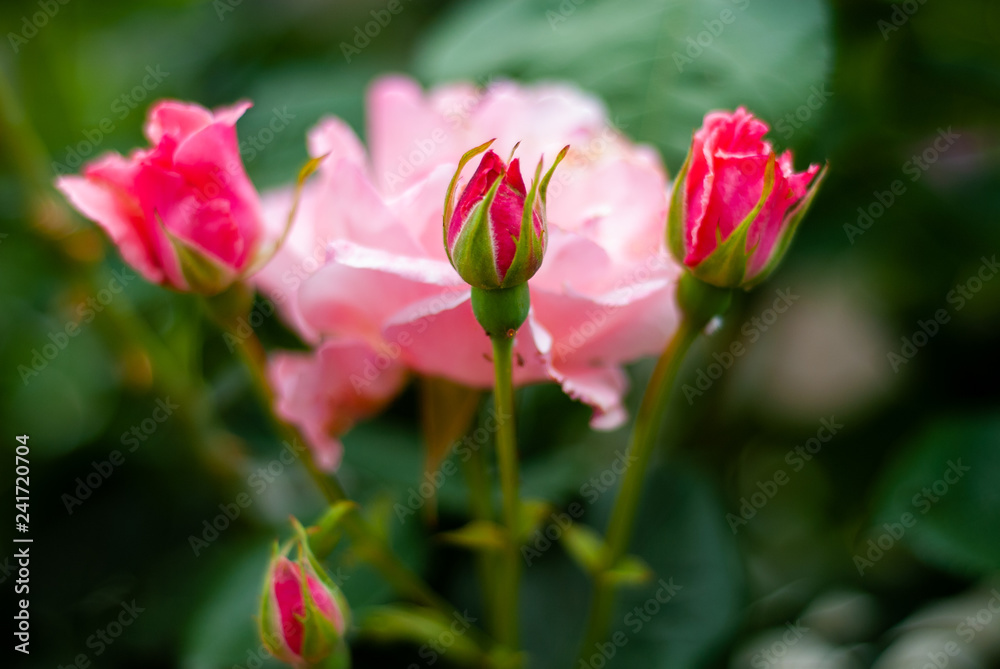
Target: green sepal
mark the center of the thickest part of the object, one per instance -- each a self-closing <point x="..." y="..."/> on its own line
<point x="502" y="311"/>
<point x="268" y="609"/>
<point x="788" y="232"/>
<point x="473" y="255"/>
<point x="530" y="245"/>
<point x="449" y="198"/>
<point x="203" y="273"/>
<point x="726" y="266"/>
<point x="265" y="255"/>
<point x="325" y="534"/>
<point x="675" y="214"/>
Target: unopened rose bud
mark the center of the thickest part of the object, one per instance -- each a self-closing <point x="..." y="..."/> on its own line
<point x="495" y="235"/>
<point x="303" y="613"/>
<point x="736" y="204"/>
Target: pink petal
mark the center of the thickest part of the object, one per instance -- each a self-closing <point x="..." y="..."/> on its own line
<point x="326" y="393"/>
<point x="119" y="216"/>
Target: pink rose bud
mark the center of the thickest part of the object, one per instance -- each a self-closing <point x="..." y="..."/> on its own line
<point x="495" y="234"/>
<point x="183" y="212"/>
<point x="303" y="614"/>
<point x="736" y="204"/>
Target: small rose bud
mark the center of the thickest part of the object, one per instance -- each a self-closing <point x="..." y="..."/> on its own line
<point x="736" y="204"/>
<point x="495" y="234"/>
<point x="303" y="613"/>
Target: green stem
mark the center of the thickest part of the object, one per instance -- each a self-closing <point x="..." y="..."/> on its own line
<point x="371" y="546"/>
<point x="510" y="572"/>
<point x="699" y="303"/>
<point x="477" y="479"/>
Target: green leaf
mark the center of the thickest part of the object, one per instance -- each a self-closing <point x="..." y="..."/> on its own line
<point x="631" y="570"/>
<point x="421" y="626"/>
<point x="478" y="535"/>
<point x="586" y="547"/>
<point x="682" y="535"/>
<point x="957" y="531"/>
<point x="633" y="55"/>
<point x="533" y="513"/>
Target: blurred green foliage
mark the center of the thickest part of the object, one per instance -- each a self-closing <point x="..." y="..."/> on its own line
<point x="867" y="85"/>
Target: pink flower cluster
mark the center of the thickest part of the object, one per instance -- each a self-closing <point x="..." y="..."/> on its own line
<point x="364" y="276"/>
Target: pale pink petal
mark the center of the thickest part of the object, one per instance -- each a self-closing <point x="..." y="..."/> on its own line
<point x="327" y="392"/>
<point x="603" y="389"/>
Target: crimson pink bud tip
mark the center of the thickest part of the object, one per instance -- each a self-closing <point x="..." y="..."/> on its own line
<point x="736" y="203"/>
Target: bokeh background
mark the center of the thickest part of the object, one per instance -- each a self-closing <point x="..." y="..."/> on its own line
<point x="770" y="544"/>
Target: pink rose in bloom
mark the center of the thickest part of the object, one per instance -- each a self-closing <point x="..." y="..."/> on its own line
<point x="183" y="213"/>
<point x="483" y="232"/>
<point x="734" y="187"/>
<point x="302" y="618"/>
<point x="365" y="266"/>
